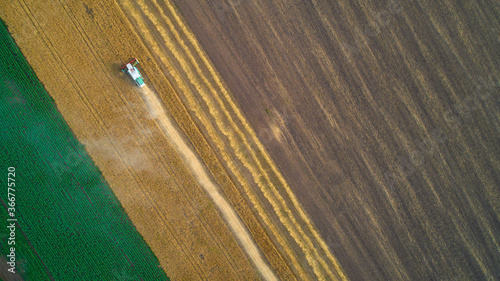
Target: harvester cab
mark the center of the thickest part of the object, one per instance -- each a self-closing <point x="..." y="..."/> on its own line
<point x="134" y="72"/>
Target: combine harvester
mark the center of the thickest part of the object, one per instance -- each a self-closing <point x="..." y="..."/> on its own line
<point x="134" y="72"/>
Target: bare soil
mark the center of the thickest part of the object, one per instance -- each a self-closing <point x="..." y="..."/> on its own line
<point x="383" y="118"/>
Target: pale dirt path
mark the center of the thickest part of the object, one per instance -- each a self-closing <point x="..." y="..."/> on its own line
<point x="194" y="164"/>
<point x="358" y="104"/>
<point x="234" y="222"/>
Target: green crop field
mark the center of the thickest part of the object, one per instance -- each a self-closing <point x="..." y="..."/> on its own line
<point x="69" y="226"/>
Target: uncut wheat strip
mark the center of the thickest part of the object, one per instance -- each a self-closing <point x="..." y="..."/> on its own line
<point x="73" y="83"/>
<point x="44" y="37"/>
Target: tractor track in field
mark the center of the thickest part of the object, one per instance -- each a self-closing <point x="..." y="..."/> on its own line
<point x="197" y="168"/>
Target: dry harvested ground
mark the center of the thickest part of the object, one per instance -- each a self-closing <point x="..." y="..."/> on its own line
<point x="76" y="49"/>
<point x="383" y="117"/>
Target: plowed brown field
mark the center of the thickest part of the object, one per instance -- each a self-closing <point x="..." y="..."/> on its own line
<point x="383" y="117"/>
<point x="77" y="48"/>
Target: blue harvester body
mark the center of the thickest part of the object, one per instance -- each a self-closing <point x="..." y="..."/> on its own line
<point x="134" y="72"/>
